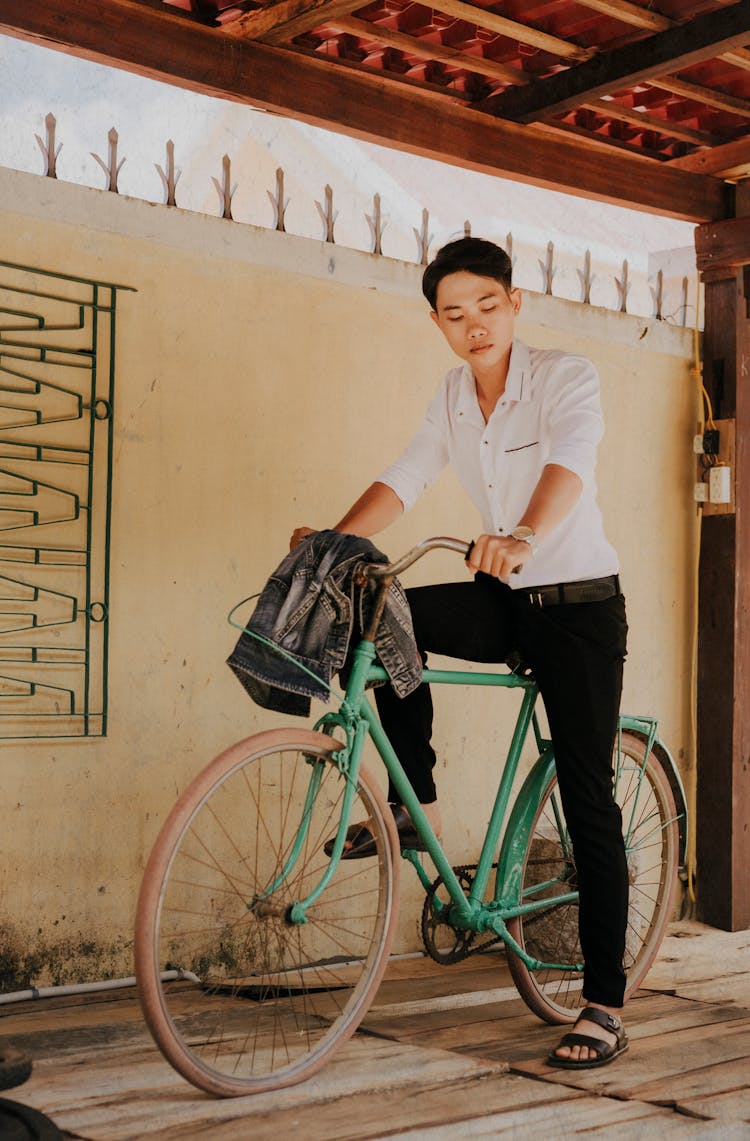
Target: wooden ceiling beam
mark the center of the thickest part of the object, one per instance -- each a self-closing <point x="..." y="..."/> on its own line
<point x="512" y="30"/>
<point x="682" y="46"/>
<point x="740" y="57"/>
<point x="728" y="160"/>
<point x="180" y="13"/>
<point x="605" y="144"/>
<point x="629" y="13"/>
<point x="446" y="93"/>
<point x="122" y="33"/>
<point x="612" y="109"/>
<point x="273" y="25"/>
<point x="723" y="245"/>
<point x="705" y="95"/>
<point x="649" y="21"/>
<point x="282" y="21"/>
<point x="429" y="49"/>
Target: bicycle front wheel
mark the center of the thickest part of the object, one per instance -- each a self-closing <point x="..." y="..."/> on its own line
<point x="651" y="834"/>
<point x="241" y="992"/>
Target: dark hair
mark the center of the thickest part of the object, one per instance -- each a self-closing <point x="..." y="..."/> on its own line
<point x="472" y="255"/>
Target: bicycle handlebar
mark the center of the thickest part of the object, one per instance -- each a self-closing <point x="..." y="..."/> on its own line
<point x="439" y="542"/>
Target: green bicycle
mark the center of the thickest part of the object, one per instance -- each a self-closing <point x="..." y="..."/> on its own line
<point x="257" y="955"/>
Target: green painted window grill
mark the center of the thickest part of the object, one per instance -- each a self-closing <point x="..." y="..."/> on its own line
<point x="57" y="358"/>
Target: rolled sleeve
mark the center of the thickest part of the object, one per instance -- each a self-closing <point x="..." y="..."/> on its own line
<point x="424" y="457"/>
<point x="576" y="424"/>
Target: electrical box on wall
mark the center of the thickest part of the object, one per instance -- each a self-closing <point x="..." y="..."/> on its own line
<point x="714" y="487"/>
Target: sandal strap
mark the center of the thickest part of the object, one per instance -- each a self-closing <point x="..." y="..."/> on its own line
<point x="407" y="833"/>
<point x="358" y="834"/>
<point x="598" y="1045"/>
<point x="602" y="1018"/>
<point x="401" y="817"/>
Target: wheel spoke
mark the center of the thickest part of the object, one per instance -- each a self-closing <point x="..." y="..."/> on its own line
<point x="646" y="802"/>
<point x="277" y="996"/>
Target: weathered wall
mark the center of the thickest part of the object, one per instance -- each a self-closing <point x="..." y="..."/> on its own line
<point x="262" y="381"/>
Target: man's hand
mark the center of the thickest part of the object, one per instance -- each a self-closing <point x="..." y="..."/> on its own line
<point x="498" y="555"/>
<point x="300" y="534"/>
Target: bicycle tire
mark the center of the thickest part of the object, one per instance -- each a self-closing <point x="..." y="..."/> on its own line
<point x="652" y="852"/>
<point x="265" y="1001"/>
<point x="15" y="1067"/>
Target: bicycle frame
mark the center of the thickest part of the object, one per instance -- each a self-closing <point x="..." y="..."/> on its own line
<point x="358" y="719"/>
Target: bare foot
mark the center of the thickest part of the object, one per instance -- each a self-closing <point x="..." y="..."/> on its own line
<point x="593" y="1030"/>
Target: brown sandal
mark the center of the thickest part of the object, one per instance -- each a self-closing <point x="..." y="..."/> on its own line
<point x="603" y="1051"/>
<point x="362" y="841"/>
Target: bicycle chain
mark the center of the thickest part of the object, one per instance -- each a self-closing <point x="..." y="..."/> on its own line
<point x="465" y="941"/>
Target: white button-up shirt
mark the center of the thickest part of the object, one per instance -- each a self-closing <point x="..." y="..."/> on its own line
<point x="550" y="413"/>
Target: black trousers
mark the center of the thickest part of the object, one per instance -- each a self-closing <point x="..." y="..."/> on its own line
<point x="576" y="652"/>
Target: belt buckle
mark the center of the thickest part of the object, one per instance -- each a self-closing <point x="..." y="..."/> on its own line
<point x="536" y="598"/>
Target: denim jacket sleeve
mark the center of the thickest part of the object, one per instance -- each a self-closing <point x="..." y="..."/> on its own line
<point x="307" y="615"/>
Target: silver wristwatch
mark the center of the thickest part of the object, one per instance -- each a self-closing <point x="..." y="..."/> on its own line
<point x="525" y="535"/>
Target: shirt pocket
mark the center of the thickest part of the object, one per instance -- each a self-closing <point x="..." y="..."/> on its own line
<point x="524" y="458"/>
<point x="521" y="467"/>
<point x="517" y="449"/>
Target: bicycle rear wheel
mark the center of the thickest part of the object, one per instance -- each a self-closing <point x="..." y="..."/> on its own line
<point x="651" y="833"/>
<point x="253" y="999"/>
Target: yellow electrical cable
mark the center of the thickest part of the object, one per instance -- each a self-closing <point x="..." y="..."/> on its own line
<point x="691" y="788"/>
<point x="697" y="370"/>
<point x="691" y="785"/>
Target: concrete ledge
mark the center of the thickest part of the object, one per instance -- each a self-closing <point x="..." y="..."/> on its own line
<point x="34" y="196"/>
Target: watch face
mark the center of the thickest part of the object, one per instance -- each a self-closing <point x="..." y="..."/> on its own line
<point x="522" y="533"/>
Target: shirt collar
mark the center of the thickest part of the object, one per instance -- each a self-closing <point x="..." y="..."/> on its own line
<point x="467" y="406"/>
<point x="517" y="386"/>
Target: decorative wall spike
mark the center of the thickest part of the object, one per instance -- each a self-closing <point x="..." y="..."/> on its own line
<point x="586" y="279"/>
<point x="224" y="189"/>
<point x="111" y="168"/>
<point x="328" y="216"/>
<point x="278" y="202"/>
<point x="48" y="150"/>
<point x="424" y="238"/>
<point x="684" y="304"/>
<point x="170" y="179"/>
<point x="509" y="247"/>
<point x="658" y="296"/>
<point x="623" y="288"/>
<point x="664" y="309"/>
<point x="375" y="223"/>
<point x="548" y="268"/>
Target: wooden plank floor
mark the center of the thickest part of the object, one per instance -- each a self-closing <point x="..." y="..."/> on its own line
<point x="445" y="1053"/>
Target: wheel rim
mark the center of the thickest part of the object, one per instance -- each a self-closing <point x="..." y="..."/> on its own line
<point x="275" y="996"/>
<point x="651" y="837"/>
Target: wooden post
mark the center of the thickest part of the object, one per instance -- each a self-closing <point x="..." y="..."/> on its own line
<point x="723" y="778"/>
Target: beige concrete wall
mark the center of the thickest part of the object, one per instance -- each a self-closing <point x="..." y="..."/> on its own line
<point x="262" y="381"/>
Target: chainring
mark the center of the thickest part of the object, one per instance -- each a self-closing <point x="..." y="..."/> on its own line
<point x="443" y="942"/>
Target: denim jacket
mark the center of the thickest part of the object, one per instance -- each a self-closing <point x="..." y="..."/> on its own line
<point x="312" y="607"/>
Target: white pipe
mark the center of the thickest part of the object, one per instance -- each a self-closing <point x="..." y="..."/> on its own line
<point x="86" y="988"/>
<point x="119" y="984"/>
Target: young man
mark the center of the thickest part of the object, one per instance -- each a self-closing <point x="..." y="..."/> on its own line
<point x="521" y="427"/>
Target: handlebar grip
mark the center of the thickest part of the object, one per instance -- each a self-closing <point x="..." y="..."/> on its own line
<point x="516" y="570"/>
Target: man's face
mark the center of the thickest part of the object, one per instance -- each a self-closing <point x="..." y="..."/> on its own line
<point x="476" y="316"/>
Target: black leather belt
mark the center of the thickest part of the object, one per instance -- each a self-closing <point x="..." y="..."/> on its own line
<point x="560" y="593"/>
